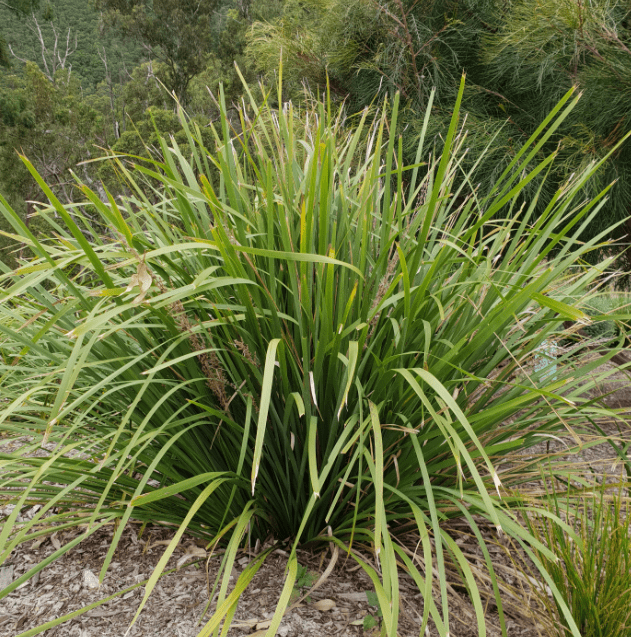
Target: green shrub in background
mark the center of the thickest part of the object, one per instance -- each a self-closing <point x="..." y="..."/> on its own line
<point x="606" y="331"/>
<point x="611" y="303"/>
<point x="312" y="348"/>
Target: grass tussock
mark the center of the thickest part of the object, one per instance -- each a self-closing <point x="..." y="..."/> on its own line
<point x="292" y="335"/>
<point x="591" y="563"/>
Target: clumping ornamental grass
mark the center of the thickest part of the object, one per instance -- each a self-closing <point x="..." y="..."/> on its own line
<point x="291" y="335"/>
<point x="592" y="565"/>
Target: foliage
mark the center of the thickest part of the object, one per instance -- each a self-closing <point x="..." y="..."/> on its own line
<point x="519" y="58"/>
<point x="55" y="126"/>
<point x="92" y="42"/>
<point x="591" y="563"/>
<point x="369" y="50"/>
<point x="21" y="8"/>
<point x="610" y="301"/>
<point x="572" y="43"/>
<point x="519" y="62"/>
<point x="370" y="621"/>
<point x="176" y="33"/>
<point x="114" y="94"/>
<point x="608" y="304"/>
<point x="300" y="327"/>
<point x="304" y="579"/>
<point x="51" y="112"/>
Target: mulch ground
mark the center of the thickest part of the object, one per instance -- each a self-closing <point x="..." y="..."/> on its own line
<point x="179" y="605"/>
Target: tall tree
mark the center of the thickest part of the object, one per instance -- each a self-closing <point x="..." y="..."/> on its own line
<point x="176" y="32"/>
<point x="21" y="7"/>
<point x="56" y="57"/>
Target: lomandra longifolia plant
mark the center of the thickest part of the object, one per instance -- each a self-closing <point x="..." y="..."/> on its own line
<point x="292" y="335"/>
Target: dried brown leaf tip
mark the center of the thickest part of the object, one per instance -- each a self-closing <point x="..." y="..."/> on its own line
<point x="142" y="280"/>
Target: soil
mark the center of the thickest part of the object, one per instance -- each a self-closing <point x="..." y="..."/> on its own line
<point x="177" y="605"/>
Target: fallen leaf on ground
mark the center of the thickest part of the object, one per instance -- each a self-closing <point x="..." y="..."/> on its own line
<point x="54" y="540"/>
<point x="324" y="605"/>
<point x="192" y="552"/>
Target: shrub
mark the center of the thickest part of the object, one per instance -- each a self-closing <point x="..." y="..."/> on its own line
<point x="608" y="303"/>
<point x="325" y="345"/>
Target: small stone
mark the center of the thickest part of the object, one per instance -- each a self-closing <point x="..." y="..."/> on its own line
<point x="90" y="580"/>
<point x="6" y="576"/>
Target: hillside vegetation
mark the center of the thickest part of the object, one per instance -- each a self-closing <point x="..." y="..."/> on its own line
<point x="88" y="40"/>
<point x="126" y="55"/>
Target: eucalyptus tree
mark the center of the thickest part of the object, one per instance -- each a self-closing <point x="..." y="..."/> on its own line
<point x="20" y="7"/>
<point x="177" y="33"/>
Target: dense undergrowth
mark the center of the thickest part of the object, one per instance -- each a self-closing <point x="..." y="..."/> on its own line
<point x="292" y="335"/>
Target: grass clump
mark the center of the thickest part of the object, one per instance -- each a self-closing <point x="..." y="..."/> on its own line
<point x="591" y="564"/>
<point x="294" y="337"/>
